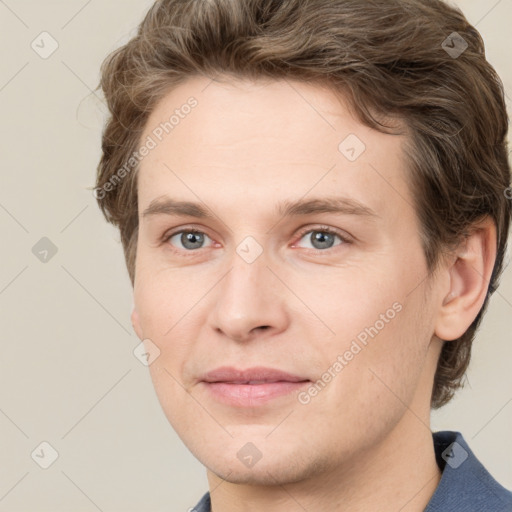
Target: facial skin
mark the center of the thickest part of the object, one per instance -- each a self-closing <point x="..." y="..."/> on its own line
<point x="243" y="150"/>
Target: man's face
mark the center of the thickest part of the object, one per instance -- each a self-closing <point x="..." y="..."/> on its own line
<point x="348" y="311"/>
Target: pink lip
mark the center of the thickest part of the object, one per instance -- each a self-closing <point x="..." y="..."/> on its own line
<point x="251" y="387"/>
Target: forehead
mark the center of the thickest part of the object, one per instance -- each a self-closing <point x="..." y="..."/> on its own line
<point x="265" y="140"/>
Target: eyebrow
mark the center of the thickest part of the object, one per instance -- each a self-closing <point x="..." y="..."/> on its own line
<point x="338" y="205"/>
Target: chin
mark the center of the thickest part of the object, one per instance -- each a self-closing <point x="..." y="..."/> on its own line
<point x="280" y="469"/>
<point x="265" y="475"/>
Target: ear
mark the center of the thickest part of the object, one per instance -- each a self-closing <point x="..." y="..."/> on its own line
<point x="136" y="324"/>
<point x="469" y="276"/>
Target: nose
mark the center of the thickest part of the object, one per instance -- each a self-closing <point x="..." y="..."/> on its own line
<point x="250" y="300"/>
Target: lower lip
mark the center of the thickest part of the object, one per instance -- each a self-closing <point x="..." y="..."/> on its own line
<point x="250" y="395"/>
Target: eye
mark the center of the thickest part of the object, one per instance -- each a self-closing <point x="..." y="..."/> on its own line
<point x="322" y="238"/>
<point x="190" y="239"/>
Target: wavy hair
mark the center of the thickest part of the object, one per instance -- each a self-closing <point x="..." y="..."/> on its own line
<point x="419" y="61"/>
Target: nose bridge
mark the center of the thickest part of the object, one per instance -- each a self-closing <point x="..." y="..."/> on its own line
<point x="249" y="270"/>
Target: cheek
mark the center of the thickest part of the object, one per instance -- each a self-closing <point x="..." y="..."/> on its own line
<point x="164" y="297"/>
<point x="371" y="393"/>
<point x="356" y="307"/>
<point x="379" y="349"/>
<point x="385" y="372"/>
<point x="164" y="320"/>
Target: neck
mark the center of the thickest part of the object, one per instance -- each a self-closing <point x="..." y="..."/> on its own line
<point x="399" y="472"/>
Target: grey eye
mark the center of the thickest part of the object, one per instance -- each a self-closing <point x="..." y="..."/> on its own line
<point x="321" y="239"/>
<point x="189" y="240"/>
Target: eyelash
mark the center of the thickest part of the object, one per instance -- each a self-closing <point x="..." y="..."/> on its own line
<point x="321" y="229"/>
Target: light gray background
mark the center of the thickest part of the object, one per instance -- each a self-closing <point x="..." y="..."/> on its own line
<point x="67" y="372"/>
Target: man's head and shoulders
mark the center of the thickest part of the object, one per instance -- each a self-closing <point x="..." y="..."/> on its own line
<point x="313" y="219"/>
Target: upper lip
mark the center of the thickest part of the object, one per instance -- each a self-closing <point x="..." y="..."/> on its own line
<point x="256" y="374"/>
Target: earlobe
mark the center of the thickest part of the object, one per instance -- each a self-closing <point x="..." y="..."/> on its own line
<point x="136" y="324"/>
<point x="469" y="276"/>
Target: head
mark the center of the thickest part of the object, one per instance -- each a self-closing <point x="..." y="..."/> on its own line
<point x="245" y="108"/>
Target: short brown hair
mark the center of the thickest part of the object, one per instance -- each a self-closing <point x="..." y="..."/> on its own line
<point x="391" y="57"/>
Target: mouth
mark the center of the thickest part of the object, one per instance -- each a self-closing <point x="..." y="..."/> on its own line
<point x="250" y="387"/>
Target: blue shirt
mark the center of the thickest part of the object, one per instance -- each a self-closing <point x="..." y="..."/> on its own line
<point x="465" y="485"/>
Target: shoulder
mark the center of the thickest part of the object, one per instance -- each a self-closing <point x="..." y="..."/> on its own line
<point x="465" y="486"/>
<point x="204" y="504"/>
